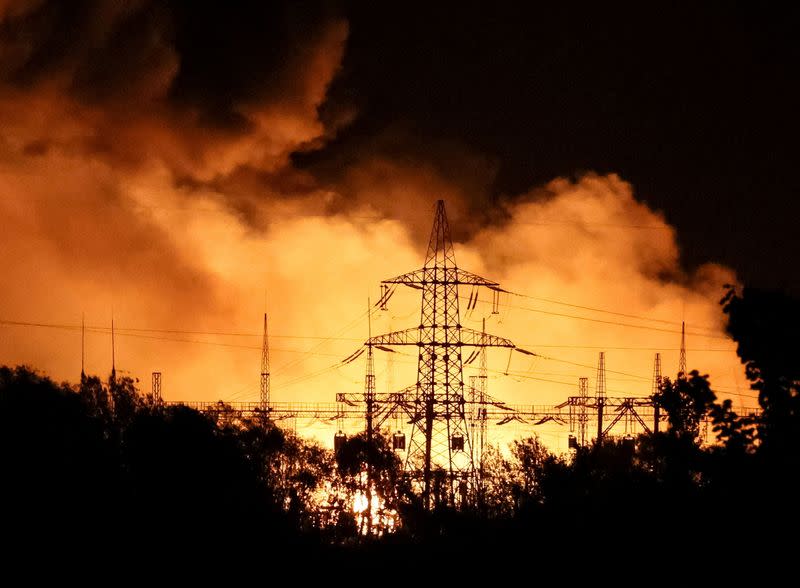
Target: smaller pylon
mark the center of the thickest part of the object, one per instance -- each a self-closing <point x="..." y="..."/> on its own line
<point x="600" y="394"/>
<point x="156" y="391"/>
<point x="656" y="374"/>
<point x="656" y="391"/>
<point x="369" y="379"/>
<point x="369" y="402"/>
<point x="583" y="413"/>
<point x="478" y="400"/>
<point x="83" y="348"/>
<point x="113" y="355"/>
<point x="264" y="397"/>
<point x="682" y="360"/>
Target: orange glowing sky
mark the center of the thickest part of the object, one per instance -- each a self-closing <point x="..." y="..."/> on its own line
<point x="98" y="217"/>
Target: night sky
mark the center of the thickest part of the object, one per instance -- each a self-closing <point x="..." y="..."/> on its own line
<point x="695" y="105"/>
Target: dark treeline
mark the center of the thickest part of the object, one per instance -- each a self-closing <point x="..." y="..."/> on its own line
<point x="99" y="471"/>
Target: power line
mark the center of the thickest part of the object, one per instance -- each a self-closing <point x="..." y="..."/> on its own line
<point x="616" y="323"/>
<point x="103" y="329"/>
<point x="628" y="348"/>
<point x="606" y="311"/>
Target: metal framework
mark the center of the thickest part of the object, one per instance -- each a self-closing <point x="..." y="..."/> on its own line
<point x="156" y="389"/>
<point x="639" y="410"/>
<point x="600" y="393"/>
<point x="264" y="383"/>
<point x="656" y="389"/>
<point x="579" y="415"/>
<point x="478" y="415"/>
<point x="631" y="411"/>
<point x="682" y="359"/>
<point x="497" y="413"/>
<point x="440" y="436"/>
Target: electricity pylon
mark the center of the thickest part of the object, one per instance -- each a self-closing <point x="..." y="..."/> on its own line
<point x="656" y="391"/>
<point x="583" y="413"/>
<point x="440" y="440"/>
<point x="264" y="396"/>
<point x="600" y="395"/>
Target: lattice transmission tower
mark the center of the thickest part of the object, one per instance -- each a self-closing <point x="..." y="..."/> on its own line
<point x="656" y="391"/>
<point x="440" y="445"/>
<point x="156" y="388"/>
<point x="264" y="397"/>
<point x="583" y="412"/>
<point x="479" y="401"/>
<point x="600" y="394"/>
<point x="682" y="358"/>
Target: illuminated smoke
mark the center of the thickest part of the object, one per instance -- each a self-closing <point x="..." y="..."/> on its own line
<point x="129" y="192"/>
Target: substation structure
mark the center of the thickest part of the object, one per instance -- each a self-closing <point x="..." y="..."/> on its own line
<point x="449" y="420"/>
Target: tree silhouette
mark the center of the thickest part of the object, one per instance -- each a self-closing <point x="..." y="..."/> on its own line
<point x="765" y="325"/>
<point x="371" y="472"/>
<point x="58" y="471"/>
<point x="686" y="402"/>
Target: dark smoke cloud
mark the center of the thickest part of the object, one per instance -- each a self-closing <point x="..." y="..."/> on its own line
<point x="205" y="88"/>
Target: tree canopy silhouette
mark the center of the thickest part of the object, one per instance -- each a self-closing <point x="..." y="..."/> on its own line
<point x="122" y="468"/>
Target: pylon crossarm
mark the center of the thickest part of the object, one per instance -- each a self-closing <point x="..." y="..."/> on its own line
<point x="568" y="402"/>
<point x="468" y="338"/>
<point x="348" y="398"/>
<point x="495" y="403"/>
<point x="353" y="398"/>
<point x="447" y="275"/>
<point x="405" y="337"/>
<point x="478" y="339"/>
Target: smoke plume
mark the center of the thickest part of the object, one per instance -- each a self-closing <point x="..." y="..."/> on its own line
<point x="148" y="169"/>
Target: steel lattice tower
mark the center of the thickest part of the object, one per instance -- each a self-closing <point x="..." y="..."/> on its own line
<point x="369" y="381"/>
<point x="657" y="374"/>
<point x="478" y="413"/>
<point x="682" y="360"/>
<point x="264" y="398"/>
<point x="440" y="443"/>
<point x="600" y="394"/>
<point x="156" y="389"/>
<point x="583" y="412"/>
<point x="656" y="391"/>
